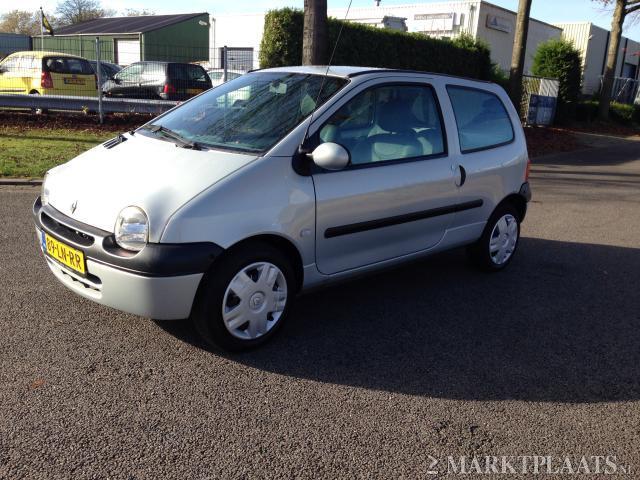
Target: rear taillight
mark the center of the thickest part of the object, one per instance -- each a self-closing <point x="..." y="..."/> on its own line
<point x="168" y="88"/>
<point x="45" y="80"/>
<point x="528" y="170"/>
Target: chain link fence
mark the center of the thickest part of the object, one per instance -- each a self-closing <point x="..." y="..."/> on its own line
<point x="539" y="100"/>
<point x="625" y="90"/>
<point x="101" y="75"/>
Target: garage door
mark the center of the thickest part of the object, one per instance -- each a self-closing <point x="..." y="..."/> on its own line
<point x="127" y="51"/>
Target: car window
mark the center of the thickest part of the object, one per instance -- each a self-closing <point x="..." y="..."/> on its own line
<point x="482" y="120"/>
<point x="153" y="72"/>
<point x="251" y="113"/>
<point x="130" y="73"/>
<point x="188" y="72"/>
<point x="9" y="64"/>
<point x="66" y="65"/>
<point x="387" y="123"/>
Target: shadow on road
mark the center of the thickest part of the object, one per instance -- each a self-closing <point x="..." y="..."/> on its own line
<point x="561" y="324"/>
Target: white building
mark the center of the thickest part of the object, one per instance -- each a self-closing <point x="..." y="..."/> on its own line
<point x="495" y="25"/>
<point x="482" y="20"/>
<point x="593" y="43"/>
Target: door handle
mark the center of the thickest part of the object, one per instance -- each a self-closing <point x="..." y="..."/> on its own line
<point x="461" y="174"/>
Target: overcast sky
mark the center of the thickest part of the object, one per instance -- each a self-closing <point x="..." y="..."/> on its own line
<point x="546" y="10"/>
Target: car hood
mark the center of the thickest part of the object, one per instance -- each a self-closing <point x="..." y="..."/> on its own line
<point x="149" y="173"/>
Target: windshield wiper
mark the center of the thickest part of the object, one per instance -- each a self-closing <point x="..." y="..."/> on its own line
<point x="178" y="139"/>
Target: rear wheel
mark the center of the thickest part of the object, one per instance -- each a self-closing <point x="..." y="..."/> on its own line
<point x="499" y="241"/>
<point x="245" y="298"/>
<point x="37" y="111"/>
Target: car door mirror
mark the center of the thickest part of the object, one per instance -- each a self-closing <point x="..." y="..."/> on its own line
<point x="330" y="156"/>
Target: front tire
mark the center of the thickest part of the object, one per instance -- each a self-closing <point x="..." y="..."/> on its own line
<point x="245" y="298"/>
<point x="497" y="245"/>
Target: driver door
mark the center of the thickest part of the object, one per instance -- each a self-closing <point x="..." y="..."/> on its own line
<point x="398" y="195"/>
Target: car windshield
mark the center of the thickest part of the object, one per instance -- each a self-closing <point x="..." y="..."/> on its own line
<point x="251" y="113"/>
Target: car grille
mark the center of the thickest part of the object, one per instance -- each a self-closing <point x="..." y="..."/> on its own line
<point x="66" y="232"/>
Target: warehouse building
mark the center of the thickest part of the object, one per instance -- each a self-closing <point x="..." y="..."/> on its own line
<point x="124" y="40"/>
<point x="484" y="21"/>
<point x="593" y="43"/>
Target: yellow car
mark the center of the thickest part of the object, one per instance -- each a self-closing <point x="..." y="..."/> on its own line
<point x="47" y="73"/>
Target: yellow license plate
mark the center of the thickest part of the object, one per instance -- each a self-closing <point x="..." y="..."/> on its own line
<point x="194" y="91"/>
<point x="68" y="256"/>
<point x="74" y="81"/>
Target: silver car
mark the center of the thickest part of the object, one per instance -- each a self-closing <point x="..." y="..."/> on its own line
<point x="226" y="207"/>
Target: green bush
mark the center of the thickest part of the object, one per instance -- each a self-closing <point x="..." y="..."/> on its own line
<point x="362" y="45"/>
<point x="619" y="113"/>
<point x="560" y="59"/>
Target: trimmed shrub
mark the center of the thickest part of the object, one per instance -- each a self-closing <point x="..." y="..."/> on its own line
<point x="362" y="45"/>
<point x="560" y="59"/>
<point x="620" y="113"/>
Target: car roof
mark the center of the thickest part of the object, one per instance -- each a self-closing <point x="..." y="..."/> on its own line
<point x="42" y="54"/>
<point x="350" y="72"/>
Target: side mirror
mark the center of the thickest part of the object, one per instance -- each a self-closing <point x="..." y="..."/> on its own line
<point x="330" y="156"/>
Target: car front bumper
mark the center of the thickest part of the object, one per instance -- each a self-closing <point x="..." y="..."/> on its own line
<point x="159" y="282"/>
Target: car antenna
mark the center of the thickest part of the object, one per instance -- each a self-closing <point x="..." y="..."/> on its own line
<point x="326" y="74"/>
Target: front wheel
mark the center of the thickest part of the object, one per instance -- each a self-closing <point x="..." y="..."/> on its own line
<point x="499" y="241"/>
<point x="245" y="298"/>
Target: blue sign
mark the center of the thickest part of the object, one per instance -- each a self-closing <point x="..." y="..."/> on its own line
<point x="542" y="109"/>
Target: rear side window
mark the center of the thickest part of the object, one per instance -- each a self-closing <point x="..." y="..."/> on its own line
<point x="154" y="72"/>
<point x="73" y="66"/>
<point x="188" y="72"/>
<point x="481" y="118"/>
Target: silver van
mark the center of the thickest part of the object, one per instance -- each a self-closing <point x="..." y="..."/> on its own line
<point x="227" y="206"/>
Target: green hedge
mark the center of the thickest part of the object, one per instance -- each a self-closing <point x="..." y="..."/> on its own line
<point x="362" y="45"/>
<point x="620" y="113"/>
<point x="558" y="58"/>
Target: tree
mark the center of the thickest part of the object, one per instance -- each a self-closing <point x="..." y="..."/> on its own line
<point x="622" y="9"/>
<point x="133" y="12"/>
<point x="21" y="21"/>
<point x="560" y="59"/>
<point x="75" y="11"/>
<point x="315" y="34"/>
<point x="519" y="49"/>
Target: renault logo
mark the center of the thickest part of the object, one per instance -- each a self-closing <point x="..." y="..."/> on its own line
<point x="74" y="205"/>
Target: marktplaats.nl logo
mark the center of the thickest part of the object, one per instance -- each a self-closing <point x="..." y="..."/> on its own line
<point x="529" y="464"/>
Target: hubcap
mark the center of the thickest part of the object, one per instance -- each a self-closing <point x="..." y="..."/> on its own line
<point x="254" y="300"/>
<point x="503" y="239"/>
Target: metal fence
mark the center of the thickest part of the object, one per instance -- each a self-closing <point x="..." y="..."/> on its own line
<point x="115" y="75"/>
<point x="625" y="90"/>
<point x="539" y="100"/>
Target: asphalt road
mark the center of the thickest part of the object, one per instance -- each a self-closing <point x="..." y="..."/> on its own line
<point x="368" y="380"/>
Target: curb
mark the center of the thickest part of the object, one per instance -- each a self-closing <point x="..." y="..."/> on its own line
<point x="29" y="182"/>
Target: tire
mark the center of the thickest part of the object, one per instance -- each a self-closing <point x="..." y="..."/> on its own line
<point x="38" y="111"/>
<point x="239" y="284"/>
<point x="499" y="241"/>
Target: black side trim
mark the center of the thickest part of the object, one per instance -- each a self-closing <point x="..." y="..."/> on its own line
<point x="398" y="219"/>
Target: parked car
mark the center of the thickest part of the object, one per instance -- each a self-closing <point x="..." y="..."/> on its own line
<point x="47" y="73"/>
<point x="107" y="70"/>
<point x="274" y="194"/>
<point x="217" y="75"/>
<point x="163" y="80"/>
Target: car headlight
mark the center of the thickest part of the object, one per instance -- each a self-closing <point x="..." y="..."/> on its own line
<point x="132" y="229"/>
<point x="44" y="195"/>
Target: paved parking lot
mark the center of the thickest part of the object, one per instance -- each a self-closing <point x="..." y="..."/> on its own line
<point x="369" y="379"/>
